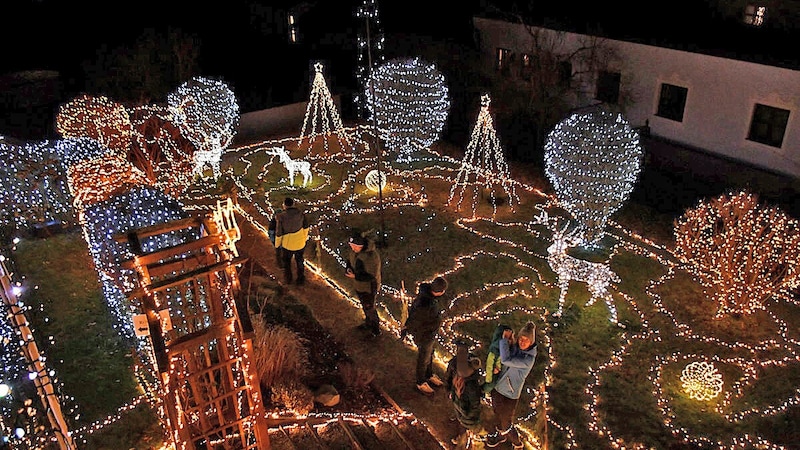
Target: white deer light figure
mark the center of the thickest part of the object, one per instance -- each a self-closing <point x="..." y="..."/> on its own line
<point x="293" y="166"/>
<point x="597" y="276"/>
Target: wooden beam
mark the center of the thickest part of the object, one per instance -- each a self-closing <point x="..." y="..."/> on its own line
<point x="160" y="228"/>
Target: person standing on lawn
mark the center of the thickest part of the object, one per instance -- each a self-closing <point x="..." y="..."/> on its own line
<point x="291" y="235"/>
<point x="424" y="321"/>
<point x="363" y="266"/>
<point x="517" y="356"/>
<point x="273" y="223"/>
<point x="464" y="383"/>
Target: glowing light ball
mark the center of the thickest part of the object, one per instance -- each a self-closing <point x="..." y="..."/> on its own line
<point x="4" y="390"/>
<point x="207" y="113"/>
<point x="375" y="180"/>
<point x="701" y="381"/>
<point x="410" y="103"/>
<point x="593" y="160"/>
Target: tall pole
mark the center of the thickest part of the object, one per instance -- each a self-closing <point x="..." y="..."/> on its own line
<point x="375" y="134"/>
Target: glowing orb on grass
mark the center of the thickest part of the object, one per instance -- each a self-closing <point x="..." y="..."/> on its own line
<point x="701" y="380"/>
<point x="375" y="180"/>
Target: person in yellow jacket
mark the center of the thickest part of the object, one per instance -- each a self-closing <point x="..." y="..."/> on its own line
<point x="291" y="234"/>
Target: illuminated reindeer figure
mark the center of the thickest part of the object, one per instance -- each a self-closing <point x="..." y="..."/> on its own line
<point x="293" y="166"/>
<point x="597" y="276"/>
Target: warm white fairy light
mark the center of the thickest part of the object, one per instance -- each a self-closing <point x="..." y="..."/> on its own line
<point x="160" y="150"/>
<point x="701" y="380"/>
<point x="323" y="115"/>
<point x="98" y="118"/>
<point x="483" y="165"/>
<point x="375" y="180"/>
<point x="410" y="103"/>
<point x="593" y="160"/>
<point x="743" y="253"/>
<point x="207" y="113"/>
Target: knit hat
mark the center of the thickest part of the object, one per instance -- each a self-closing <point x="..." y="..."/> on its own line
<point x="358" y="239"/>
<point x="439" y="284"/>
<point x="529" y="331"/>
<point x="466" y="363"/>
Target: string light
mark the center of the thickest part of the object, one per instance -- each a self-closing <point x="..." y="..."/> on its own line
<point x="701" y="380"/>
<point x="324" y="116"/>
<point x="483" y="164"/>
<point x="742" y="253"/>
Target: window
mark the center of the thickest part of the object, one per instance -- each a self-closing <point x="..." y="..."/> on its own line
<point x="527" y="65"/>
<point x="754" y="15"/>
<point x="608" y="87"/>
<point x="503" y="59"/>
<point x="768" y="125"/>
<point x="564" y="73"/>
<point x="672" y="102"/>
<point x="292" y="29"/>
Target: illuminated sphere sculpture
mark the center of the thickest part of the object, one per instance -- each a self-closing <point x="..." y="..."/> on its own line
<point x="410" y="104"/>
<point x="207" y="113"/>
<point x="593" y="160"/>
<point x="701" y="381"/>
<point x="375" y="180"/>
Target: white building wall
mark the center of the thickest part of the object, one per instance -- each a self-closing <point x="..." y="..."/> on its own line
<point x="722" y="94"/>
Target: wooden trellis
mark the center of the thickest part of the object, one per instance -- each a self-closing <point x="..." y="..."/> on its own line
<point x="201" y="338"/>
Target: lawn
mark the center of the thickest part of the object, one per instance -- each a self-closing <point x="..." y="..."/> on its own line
<point x="595" y="384"/>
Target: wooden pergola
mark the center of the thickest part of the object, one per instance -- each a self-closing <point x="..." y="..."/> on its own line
<point x="201" y="338"/>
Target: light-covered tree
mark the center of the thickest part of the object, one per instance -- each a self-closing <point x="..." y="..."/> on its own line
<point x="742" y="252"/>
<point x="98" y="118"/>
<point x="207" y="113"/>
<point x="410" y="103"/>
<point x="322" y="117"/>
<point x="593" y="160"/>
<point x="483" y="165"/>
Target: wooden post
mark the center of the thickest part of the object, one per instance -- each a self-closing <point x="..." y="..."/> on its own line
<point x="44" y="385"/>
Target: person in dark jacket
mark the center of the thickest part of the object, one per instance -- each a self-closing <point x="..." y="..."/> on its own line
<point x="363" y="265"/>
<point x="424" y="321"/>
<point x="463" y="380"/>
<point x="517" y="356"/>
<point x="291" y="235"/>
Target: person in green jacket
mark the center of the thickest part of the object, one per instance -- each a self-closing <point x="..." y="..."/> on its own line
<point x="493" y="364"/>
<point x="291" y="234"/>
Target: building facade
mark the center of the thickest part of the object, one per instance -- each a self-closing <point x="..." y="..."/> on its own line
<point x="727" y="107"/>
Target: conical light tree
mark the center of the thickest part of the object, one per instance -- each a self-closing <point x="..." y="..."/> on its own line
<point x="743" y="253"/>
<point x="483" y="165"/>
<point x="324" y="118"/>
<point x="593" y="160"/>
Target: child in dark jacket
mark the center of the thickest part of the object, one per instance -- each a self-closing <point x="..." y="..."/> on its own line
<point x="464" y="380"/>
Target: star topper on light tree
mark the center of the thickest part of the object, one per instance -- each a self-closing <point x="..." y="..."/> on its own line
<point x="483" y="164"/>
<point x="324" y="117"/>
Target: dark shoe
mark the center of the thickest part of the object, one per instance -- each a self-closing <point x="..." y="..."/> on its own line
<point x="493" y="440"/>
<point x="375" y="332"/>
<point x="300" y="281"/>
